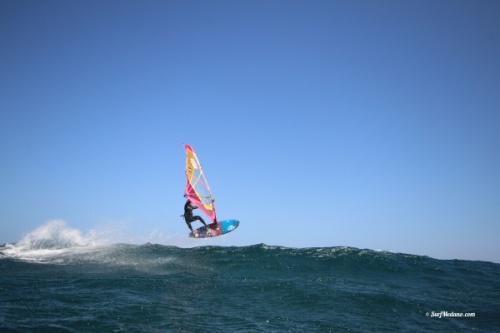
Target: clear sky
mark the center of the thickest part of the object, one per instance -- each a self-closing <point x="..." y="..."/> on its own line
<point x="372" y="124"/>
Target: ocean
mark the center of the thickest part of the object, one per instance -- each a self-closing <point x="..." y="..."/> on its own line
<point x="52" y="285"/>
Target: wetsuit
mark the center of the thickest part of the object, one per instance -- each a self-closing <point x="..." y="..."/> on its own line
<point x="188" y="215"/>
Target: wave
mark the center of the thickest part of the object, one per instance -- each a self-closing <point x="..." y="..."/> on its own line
<point x="324" y="265"/>
<point x="56" y="243"/>
<point x="55" y="239"/>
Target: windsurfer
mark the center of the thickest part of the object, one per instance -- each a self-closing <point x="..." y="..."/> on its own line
<point x="188" y="215"/>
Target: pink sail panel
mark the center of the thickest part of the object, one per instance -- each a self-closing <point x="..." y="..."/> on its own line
<point x="197" y="189"/>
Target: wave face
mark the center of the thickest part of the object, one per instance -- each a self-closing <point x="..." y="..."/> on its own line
<point x="56" y="280"/>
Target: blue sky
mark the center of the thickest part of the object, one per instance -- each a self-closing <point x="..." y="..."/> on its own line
<point x="372" y="124"/>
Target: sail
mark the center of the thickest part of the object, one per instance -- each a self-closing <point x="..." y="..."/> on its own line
<point x="197" y="189"/>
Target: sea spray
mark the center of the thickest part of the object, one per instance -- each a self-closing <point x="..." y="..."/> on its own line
<point x="49" y="239"/>
<point x="52" y="235"/>
<point x="56" y="238"/>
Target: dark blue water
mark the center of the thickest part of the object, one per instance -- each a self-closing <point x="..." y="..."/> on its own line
<point x="54" y="287"/>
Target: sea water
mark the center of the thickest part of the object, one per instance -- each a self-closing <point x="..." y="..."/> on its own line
<point x="59" y="282"/>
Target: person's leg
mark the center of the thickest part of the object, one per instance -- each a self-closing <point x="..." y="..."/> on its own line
<point x="199" y="218"/>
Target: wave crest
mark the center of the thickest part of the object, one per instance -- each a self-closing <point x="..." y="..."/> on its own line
<point x="52" y="235"/>
<point x="51" y="238"/>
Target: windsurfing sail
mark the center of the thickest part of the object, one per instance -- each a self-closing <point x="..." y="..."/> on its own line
<point x="197" y="189"/>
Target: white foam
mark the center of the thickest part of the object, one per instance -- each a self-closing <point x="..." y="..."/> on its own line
<point x="55" y="238"/>
<point x="50" y="239"/>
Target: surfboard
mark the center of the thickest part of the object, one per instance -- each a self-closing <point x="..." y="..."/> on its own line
<point x="198" y="192"/>
<point x="212" y="230"/>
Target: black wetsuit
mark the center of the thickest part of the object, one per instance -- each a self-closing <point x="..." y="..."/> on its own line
<point x="188" y="215"/>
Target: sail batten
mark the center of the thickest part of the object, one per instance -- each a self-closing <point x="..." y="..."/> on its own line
<point x="197" y="189"/>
